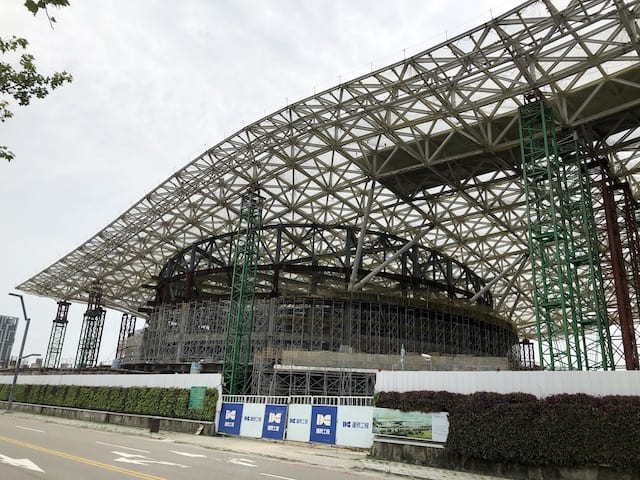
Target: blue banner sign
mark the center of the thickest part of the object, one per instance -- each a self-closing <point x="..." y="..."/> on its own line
<point x="323" y="424"/>
<point x="275" y="421"/>
<point x="230" y="418"/>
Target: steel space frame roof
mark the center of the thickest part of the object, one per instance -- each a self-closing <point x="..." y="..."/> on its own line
<point x="435" y="136"/>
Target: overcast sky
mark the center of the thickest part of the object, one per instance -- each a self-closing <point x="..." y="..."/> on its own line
<point x="155" y="84"/>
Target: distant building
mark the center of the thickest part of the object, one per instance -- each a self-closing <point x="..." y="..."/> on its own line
<point x="8" y="326"/>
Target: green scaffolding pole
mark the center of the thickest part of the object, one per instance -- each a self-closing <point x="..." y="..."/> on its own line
<point x="237" y="352"/>
<point x="571" y="316"/>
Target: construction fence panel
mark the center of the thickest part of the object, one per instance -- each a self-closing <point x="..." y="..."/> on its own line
<point x="344" y="421"/>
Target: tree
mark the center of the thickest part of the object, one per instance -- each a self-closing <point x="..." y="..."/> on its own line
<point x="19" y="78"/>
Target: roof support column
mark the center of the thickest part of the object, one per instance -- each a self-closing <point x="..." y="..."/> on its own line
<point x="363" y="231"/>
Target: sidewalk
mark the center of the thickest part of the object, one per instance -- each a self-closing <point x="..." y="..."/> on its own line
<point x="321" y="455"/>
<point x="307" y="453"/>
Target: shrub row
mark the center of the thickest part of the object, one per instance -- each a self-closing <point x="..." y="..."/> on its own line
<point x="560" y="430"/>
<point x="165" y="402"/>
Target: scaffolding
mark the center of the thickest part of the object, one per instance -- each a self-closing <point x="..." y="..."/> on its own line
<point x="359" y="325"/>
<point x="571" y="316"/>
<point x="58" y="333"/>
<point x="237" y="353"/>
<point x="91" y="331"/>
<point x="127" y="329"/>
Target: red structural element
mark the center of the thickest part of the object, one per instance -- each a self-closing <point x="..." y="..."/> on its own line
<point x="620" y="274"/>
<point x="633" y="243"/>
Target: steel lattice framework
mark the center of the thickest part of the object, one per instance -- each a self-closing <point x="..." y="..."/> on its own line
<point x="428" y="145"/>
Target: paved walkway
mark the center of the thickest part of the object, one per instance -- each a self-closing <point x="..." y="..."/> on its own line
<point x="308" y="453"/>
<point x="322" y="455"/>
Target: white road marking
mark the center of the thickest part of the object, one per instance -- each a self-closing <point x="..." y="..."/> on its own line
<point x="277" y="476"/>
<point x="242" y="461"/>
<point x="142" y="460"/>
<point x="126" y="448"/>
<point x="20" y="462"/>
<point x="30" y="429"/>
<point x="187" y="454"/>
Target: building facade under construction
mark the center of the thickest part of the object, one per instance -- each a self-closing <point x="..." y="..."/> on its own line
<point x="305" y="318"/>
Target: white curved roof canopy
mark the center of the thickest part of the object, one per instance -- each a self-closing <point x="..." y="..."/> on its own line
<point x="437" y="133"/>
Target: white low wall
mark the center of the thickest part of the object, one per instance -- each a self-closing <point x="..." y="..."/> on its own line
<point x="538" y="383"/>
<point x="170" y="380"/>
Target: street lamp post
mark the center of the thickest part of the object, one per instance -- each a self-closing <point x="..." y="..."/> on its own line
<point x="24" y="339"/>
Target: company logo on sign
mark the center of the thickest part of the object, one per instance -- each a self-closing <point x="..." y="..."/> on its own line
<point x="230" y="415"/>
<point x="349" y="424"/>
<point x="275" y="417"/>
<point x="323" y="420"/>
<point x="302" y="421"/>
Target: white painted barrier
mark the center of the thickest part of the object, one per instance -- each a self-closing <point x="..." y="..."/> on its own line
<point x="539" y="383"/>
<point x="169" y="380"/>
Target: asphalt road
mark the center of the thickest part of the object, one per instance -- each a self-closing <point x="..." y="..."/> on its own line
<point x="30" y="449"/>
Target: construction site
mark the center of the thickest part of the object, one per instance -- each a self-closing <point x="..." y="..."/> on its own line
<point x="472" y="207"/>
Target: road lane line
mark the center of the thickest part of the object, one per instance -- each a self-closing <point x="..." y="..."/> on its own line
<point x="187" y="454"/>
<point x="120" y="446"/>
<point x="30" y="429"/>
<point x="84" y="460"/>
<point x="277" y="476"/>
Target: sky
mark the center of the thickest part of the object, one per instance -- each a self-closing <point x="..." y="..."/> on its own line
<point x="156" y="83"/>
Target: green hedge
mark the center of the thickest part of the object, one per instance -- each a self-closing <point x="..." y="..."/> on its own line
<point x="165" y="402"/>
<point x="561" y="430"/>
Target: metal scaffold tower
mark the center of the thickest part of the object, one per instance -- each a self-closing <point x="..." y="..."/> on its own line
<point x="127" y="329"/>
<point x="237" y="350"/>
<point x="571" y="316"/>
<point x="56" y="339"/>
<point x="91" y="332"/>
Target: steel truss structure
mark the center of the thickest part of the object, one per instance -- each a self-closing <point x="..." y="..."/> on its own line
<point x="620" y="246"/>
<point x="573" y="327"/>
<point x="308" y="258"/>
<point x="239" y="328"/>
<point x="91" y="331"/>
<point x="56" y="338"/>
<point x="127" y="330"/>
<point x="426" y="146"/>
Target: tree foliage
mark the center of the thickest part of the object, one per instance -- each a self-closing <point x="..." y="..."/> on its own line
<point x="20" y="81"/>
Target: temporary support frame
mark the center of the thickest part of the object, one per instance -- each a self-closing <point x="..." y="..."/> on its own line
<point x="622" y="252"/>
<point x="91" y="331"/>
<point x="58" y="333"/>
<point x="127" y="329"/>
<point x="571" y="317"/>
<point x="238" y="348"/>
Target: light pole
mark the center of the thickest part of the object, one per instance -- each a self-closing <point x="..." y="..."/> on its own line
<point x="24" y="339"/>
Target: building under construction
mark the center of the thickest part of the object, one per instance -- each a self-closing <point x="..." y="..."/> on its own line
<point x="303" y="308"/>
<point x="478" y="192"/>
